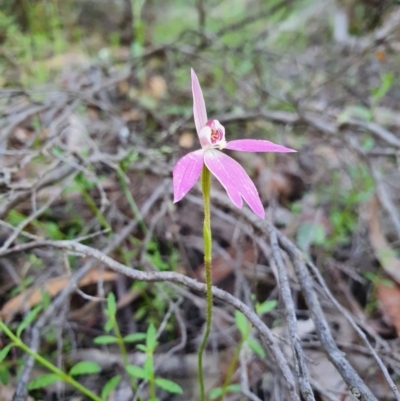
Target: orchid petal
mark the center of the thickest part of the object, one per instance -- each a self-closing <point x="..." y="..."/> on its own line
<point x="215" y="162"/>
<point x="256" y="145"/>
<point x="186" y="172"/>
<point x="199" y="107"/>
<point x="234" y="179"/>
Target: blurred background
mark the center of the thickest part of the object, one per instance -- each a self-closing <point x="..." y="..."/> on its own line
<point x="96" y="108"/>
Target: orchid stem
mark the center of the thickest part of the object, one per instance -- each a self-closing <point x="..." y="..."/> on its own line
<point x="206" y="188"/>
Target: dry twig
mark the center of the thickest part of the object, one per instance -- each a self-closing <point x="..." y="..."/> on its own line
<point x="298" y="355"/>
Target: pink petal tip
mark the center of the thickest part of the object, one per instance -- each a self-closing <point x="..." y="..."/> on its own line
<point x="199" y="106"/>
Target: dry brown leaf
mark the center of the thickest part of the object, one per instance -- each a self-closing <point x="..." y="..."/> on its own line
<point x="75" y="134"/>
<point x="33" y="296"/>
<point x="283" y="185"/>
<point x="383" y="252"/>
<point x="186" y="140"/>
<point x="157" y="86"/>
<point x="222" y="266"/>
<point x="67" y="60"/>
<point x="389" y="302"/>
<point x="22" y="135"/>
<point x="123" y="87"/>
<point x="132" y="115"/>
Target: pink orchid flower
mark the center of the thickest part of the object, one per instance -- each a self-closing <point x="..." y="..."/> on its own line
<point x="229" y="173"/>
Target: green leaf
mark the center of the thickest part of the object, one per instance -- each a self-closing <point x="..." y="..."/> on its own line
<point x="234" y="388"/>
<point x="256" y="347"/>
<point x="4" y="374"/>
<point x="132" y="338"/>
<point x="387" y="81"/>
<point x="266" y="306"/>
<point x="218" y="392"/>
<point x="140" y="313"/>
<point x="148" y="366"/>
<point x="215" y="393"/>
<point x="169" y="386"/>
<point x="109" y="325"/>
<point x="304" y="235"/>
<point x="141" y="347"/>
<point x="84" y="368"/>
<point x="102" y="340"/>
<point x="241" y="323"/>
<point x="46" y="299"/>
<point x="15" y="218"/>
<point x="319" y="235"/>
<point x="28" y="319"/>
<point x="43" y="381"/>
<point x="368" y="144"/>
<point x="151" y="338"/>
<point x="309" y="233"/>
<point x="137" y="372"/>
<point x="351" y="112"/>
<point x="52" y="230"/>
<point x="111" y="305"/>
<point x="4" y="352"/>
<point x="110" y="386"/>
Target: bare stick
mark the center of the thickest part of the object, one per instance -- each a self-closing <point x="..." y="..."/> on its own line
<point x="244" y="380"/>
<point x="298" y="355"/>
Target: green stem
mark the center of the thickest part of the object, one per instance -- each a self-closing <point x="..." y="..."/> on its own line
<point x="121" y="344"/>
<point x="62" y="375"/>
<point x="92" y="205"/>
<point x="124" y="353"/>
<point x="131" y="201"/>
<point x="206" y="188"/>
<point x="152" y="386"/>
<point x="231" y="369"/>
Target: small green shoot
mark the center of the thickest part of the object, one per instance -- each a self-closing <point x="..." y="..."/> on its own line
<point x="387" y="81"/>
<point x="147" y="373"/>
<point x="110" y="386"/>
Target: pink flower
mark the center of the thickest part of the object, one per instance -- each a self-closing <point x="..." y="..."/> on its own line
<point x="229" y="173"/>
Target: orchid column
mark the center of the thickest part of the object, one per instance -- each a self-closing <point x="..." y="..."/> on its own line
<point x="232" y="176"/>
